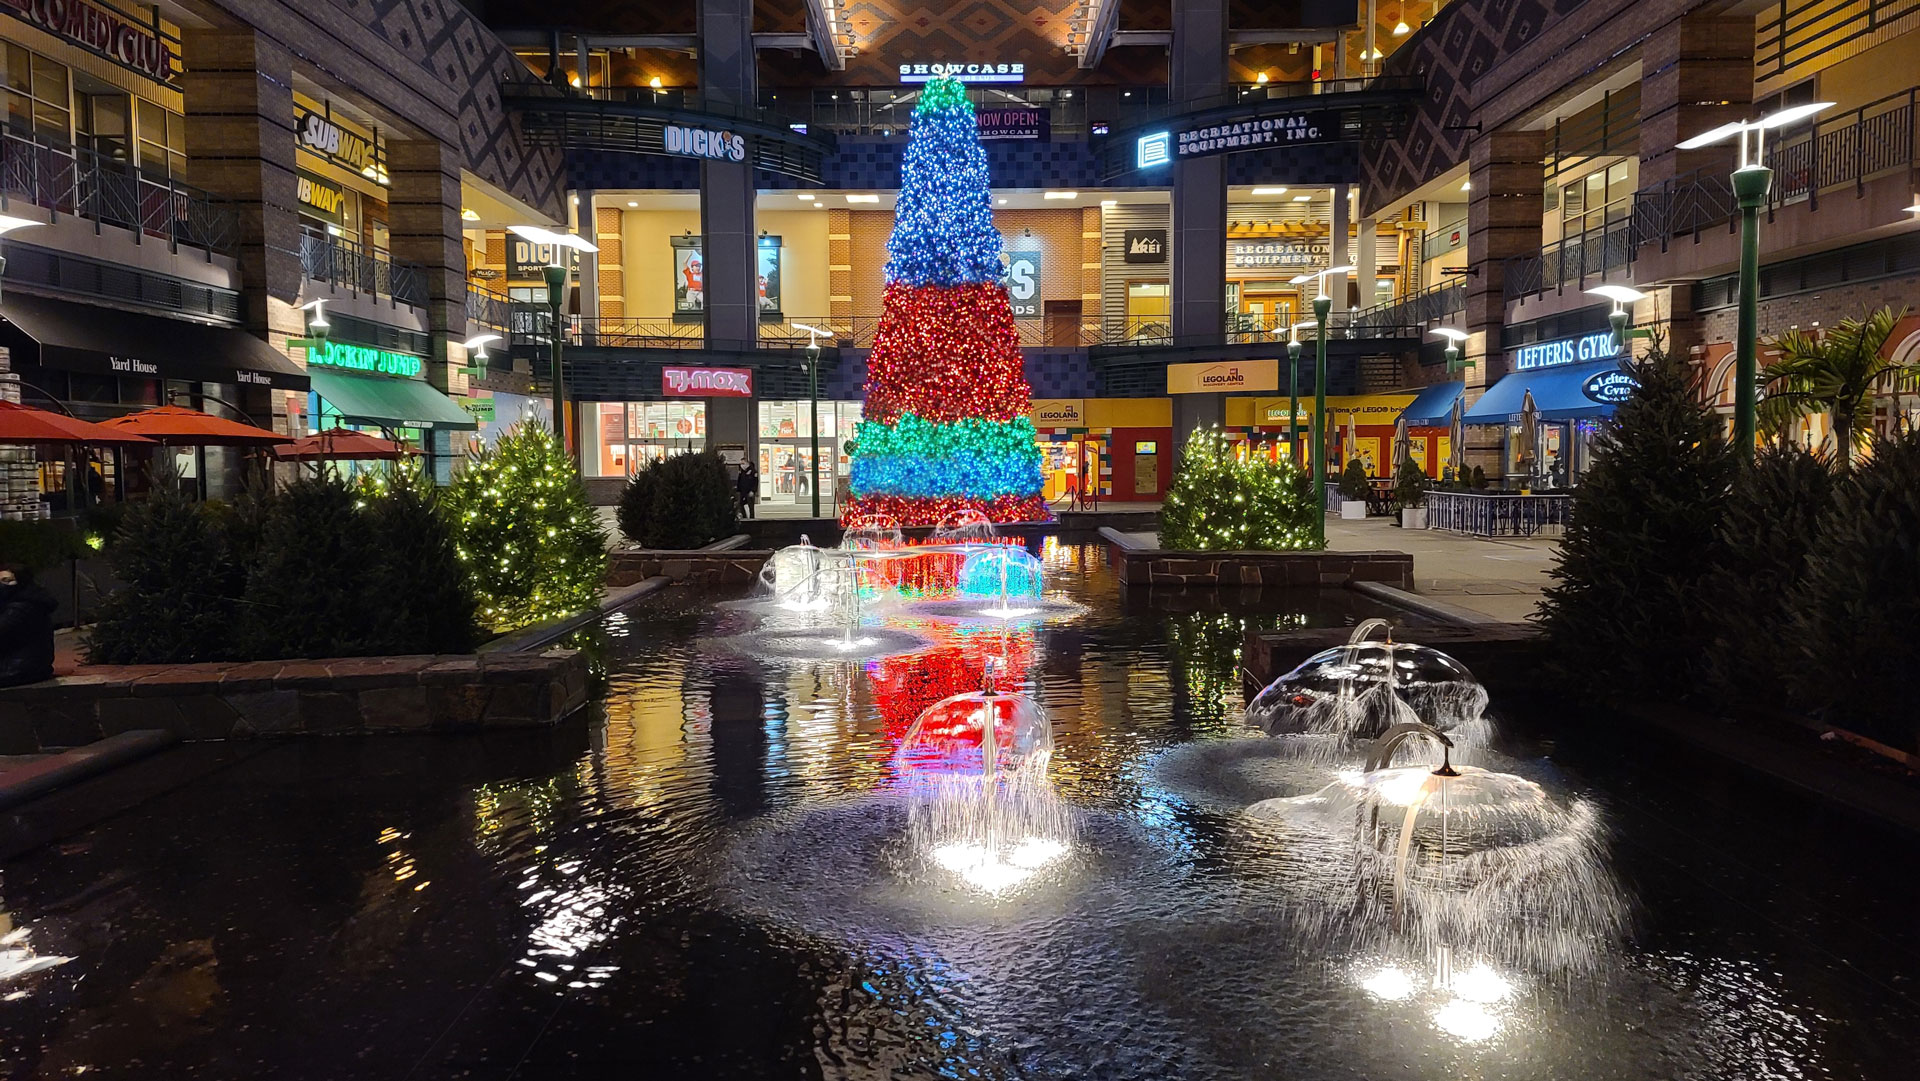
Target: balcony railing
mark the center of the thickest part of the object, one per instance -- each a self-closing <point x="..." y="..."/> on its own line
<point x="487" y="308"/>
<point x="1848" y="150"/>
<point x="342" y="264"/>
<point x="1437" y="303"/>
<point x="1583" y="258"/>
<point x="530" y="323"/>
<point x="66" y="179"/>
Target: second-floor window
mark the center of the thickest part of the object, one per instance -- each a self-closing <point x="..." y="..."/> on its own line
<point x="163" y="140"/>
<point x="1598" y="199"/>
<point x="38" y="93"/>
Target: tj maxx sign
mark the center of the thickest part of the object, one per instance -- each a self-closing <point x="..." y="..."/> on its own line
<point x="706" y="382"/>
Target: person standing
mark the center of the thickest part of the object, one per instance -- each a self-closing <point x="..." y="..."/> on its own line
<point x="26" y="628"/>
<point x="747" y="486"/>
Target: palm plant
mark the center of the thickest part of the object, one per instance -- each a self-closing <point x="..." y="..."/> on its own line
<point x="1837" y="372"/>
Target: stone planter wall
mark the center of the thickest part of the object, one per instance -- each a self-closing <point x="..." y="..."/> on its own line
<point x="736" y="567"/>
<point x="288" y="698"/>
<point x="1138" y="565"/>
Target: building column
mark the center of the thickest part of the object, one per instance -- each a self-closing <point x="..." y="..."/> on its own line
<point x="1368" y="261"/>
<point x="1696" y="74"/>
<point x="1340" y="246"/>
<point x="238" y="98"/>
<point x="1504" y="220"/>
<point x="586" y="223"/>
<point x="1504" y="216"/>
<point x="727" y="242"/>
<point x="1199" y="221"/>
<point x="423" y="210"/>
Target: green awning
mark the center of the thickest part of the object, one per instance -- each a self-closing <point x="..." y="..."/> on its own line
<point x="393" y="403"/>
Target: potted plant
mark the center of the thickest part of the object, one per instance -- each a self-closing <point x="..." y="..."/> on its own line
<point x="1354" y="487"/>
<point x="1409" y="493"/>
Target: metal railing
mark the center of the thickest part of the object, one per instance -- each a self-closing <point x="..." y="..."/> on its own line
<point x="1591" y="255"/>
<point x="529" y="324"/>
<point x="66" y="179"/>
<point x="1847" y="150"/>
<point x="488" y="308"/>
<point x="1436" y="303"/>
<point x="1497" y="514"/>
<point x="343" y="264"/>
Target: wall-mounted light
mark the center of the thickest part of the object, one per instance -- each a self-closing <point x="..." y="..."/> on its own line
<point x="863" y="198"/>
<point x="1062" y="195"/>
<point x="654" y="82"/>
<point x="469" y="214"/>
<point x="1269" y="191"/>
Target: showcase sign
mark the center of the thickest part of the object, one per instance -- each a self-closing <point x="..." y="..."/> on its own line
<point x="1023" y="283"/>
<point x="318" y="134"/>
<point x="1059" y="413"/>
<point x="1597" y="346"/>
<point x="706" y="382"/>
<point x="688" y="142"/>
<point x="1609" y="387"/>
<point x="1012" y="124"/>
<point x="1145" y="245"/>
<point x="1297" y="130"/>
<point x="1256" y="254"/>
<point x="363" y="358"/>
<point x="1252" y="375"/>
<point x="966" y="73"/>
<point x="107" y="34"/>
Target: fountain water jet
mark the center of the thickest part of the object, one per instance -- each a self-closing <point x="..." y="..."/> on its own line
<point x="1361" y="690"/>
<point x="979" y="803"/>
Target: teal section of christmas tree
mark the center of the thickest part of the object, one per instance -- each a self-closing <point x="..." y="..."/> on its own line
<point x="946" y="423"/>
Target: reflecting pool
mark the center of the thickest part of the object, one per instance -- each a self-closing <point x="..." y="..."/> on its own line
<point x="716" y="876"/>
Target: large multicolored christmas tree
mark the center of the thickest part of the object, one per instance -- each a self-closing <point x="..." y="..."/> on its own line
<point x="946" y="423"/>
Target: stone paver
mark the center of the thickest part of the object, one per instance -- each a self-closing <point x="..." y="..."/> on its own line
<point x="1501" y="578"/>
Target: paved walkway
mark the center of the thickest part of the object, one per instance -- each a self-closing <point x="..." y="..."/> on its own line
<point x="1502" y="578"/>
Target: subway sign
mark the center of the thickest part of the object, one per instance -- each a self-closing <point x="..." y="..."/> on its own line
<point x="364" y="358"/>
<point x="1565" y="351"/>
<point x="689" y="142"/>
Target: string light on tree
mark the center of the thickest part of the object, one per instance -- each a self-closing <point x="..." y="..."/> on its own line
<point x="945" y="425"/>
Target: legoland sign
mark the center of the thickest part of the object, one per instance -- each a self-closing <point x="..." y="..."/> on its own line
<point x="127" y="44"/>
<point x="706" y="382"/>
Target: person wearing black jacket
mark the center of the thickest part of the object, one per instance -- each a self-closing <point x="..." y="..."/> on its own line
<point x="26" y="628"/>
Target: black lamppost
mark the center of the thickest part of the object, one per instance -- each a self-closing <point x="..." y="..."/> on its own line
<point x="555" y="274"/>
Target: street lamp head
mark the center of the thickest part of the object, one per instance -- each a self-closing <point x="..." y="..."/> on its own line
<point x="547" y="236"/>
<point x="1450" y="333"/>
<point x="1347" y="268"/>
<point x="1792" y="114"/>
<point x="1619" y="294"/>
<point x="1779" y="119"/>
<point x="479" y="342"/>
<point x="1708" y="138"/>
<point x="8" y="223"/>
<point x="1303" y="279"/>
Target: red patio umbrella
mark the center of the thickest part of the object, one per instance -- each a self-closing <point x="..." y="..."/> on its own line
<point x="343" y="444"/>
<point x="24" y="425"/>
<point x="179" y="426"/>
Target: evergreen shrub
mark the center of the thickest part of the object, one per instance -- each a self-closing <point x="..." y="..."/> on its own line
<point x="1856" y="607"/>
<point x="1410" y="485"/>
<point x="679" y="501"/>
<point x="1354" y="484"/>
<point x="1624" y="615"/>
<point x="177" y="603"/>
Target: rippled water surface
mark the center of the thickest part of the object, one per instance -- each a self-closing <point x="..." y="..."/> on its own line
<point x="708" y="879"/>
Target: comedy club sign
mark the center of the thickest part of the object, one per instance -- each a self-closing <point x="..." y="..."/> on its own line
<point x="706" y="382"/>
<point x="128" y="44"/>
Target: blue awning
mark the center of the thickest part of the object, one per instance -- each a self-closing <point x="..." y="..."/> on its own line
<point x="1564" y="392"/>
<point x="1434" y="407"/>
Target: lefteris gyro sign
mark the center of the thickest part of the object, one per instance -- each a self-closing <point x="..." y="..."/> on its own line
<point x="706" y="382"/>
<point x="1316" y="127"/>
<point x="108" y="34"/>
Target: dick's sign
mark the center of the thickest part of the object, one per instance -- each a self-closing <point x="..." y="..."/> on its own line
<point x="689" y="142"/>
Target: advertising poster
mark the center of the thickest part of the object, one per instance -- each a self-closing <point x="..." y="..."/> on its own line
<point x="690" y="277"/>
<point x="1023" y="283"/>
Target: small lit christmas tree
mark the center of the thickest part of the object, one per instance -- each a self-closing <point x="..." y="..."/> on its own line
<point x="527" y="535"/>
<point x="946" y="425"/>
<point x="1217" y="502"/>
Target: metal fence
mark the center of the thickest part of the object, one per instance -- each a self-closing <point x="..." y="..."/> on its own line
<point x="1435" y="304"/>
<point x="1842" y="151"/>
<point x="343" y="264"/>
<point x="1591" y="255"/>
<point x="66" y="179"/>
<point x="1498" y="514"/>
<point x="488" y="308"/>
